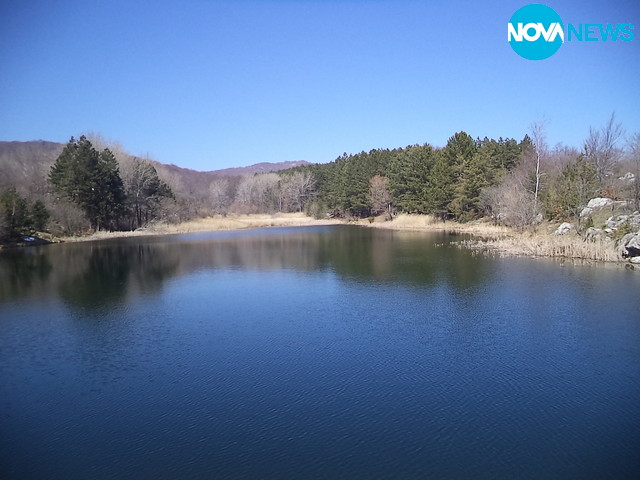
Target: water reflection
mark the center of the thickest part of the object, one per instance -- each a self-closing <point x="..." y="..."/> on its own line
<point x="313" y="353"/>
<point x="23" y="270"/>
<point x="98" y="275"/>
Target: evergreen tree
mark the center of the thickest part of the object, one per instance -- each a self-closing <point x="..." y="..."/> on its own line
<point x="569" y="192"/>
<point x="503" y="156"/>
<point x="472" y="178"/>
<point x="409" y="173"/>
<point x="39" y="216"/>
<point x="15" y="220"/>
<point x="441" y="186"/>
<point x="91" y="180"/>
<point x="451" y="174"/>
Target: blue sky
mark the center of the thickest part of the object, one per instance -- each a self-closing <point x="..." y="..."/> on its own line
<point x="210" y="84"/>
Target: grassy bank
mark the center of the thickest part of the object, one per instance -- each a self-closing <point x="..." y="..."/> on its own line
<point x="211" y="224"/>
<point x="509" y="242"/>
<point x="487" y="237"/>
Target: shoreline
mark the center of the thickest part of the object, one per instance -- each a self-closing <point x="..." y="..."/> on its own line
<point x="209" y="224"/>
<point x="486" y="237"/>
<point x="508" y="242"/>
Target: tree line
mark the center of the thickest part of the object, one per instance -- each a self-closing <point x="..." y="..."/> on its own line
<point x="517" y="183"/>
<point x="86" y="189"/>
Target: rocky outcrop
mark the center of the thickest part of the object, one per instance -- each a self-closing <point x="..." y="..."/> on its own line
<point x="616" y="222"/>
<point x="596" y="204"/>
<point x="564" y="228"/>
<point x="616" y="227"/>
<point x="630" y="246"/>
<point x="628" y="177"/>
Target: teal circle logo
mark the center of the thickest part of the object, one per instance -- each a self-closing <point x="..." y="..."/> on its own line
<point x="535" y="32"/>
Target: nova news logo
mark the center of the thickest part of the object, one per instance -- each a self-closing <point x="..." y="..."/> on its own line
<point x="536" y="32"/>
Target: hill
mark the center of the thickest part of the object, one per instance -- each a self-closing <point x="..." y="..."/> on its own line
<point x="24" y="163"/>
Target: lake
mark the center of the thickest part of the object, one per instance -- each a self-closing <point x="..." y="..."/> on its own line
<point x="314" y="353"/>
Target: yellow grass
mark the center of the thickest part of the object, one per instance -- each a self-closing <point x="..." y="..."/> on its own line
<point x="488" y="237"/>
<point x="430" y="223"/>
<point x="212" y="224"/>
<point x="544" y="245"/>
<point x="509" y="242"/>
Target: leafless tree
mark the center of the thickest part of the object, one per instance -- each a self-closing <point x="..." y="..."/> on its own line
<point x="634" y="157"/>
<point x="511" y="203"/>
<point x="100" y="142"/>
<point x="380" y="195"/>
<point x="538" y="139"/>
<point x="600" y="147"/>
<point x="144" y="190"/>
<point x="558" y="158"/>
<point x="220" y="195"/>
<point x="256" y="193"/>
<point x="296" y="190"/>
<point x="67" y="218"/>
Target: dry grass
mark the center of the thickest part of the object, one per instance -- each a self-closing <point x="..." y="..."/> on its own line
<point x="211" y="224"/>
<point x="506" y="241"/>
<point x="489" y="238"/>
<point x="430" y="223"/>
<point x="542" y="245"/>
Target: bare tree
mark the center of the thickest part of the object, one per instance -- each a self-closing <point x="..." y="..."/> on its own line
<point x="256" y="193"/>
<point x="380" y="195"/>
<point x="634" y="154"/>
<point x="538" y="139"/>
<point x="296" y="190"/>
<point x="144" y="189"/>
<point x="559" y="157"/>
<point x="67" y="218"/>
<point x="99" y="142"/>
<point x="600" y="147"/>
<point x="219" y="192"/>
<point x="511" y="202"/>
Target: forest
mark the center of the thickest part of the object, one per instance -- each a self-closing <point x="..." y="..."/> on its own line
<point x="92" y="186"/>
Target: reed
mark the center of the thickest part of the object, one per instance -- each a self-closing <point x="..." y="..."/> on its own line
<point x="542" y="245"/>
<point x="506" y="241"/>
<point x="211" y="224"/>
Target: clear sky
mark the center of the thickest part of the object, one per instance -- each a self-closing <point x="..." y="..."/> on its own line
<point x="214" y="84"/>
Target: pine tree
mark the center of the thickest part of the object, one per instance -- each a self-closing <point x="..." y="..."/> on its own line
<point x="569" y="192"/>
<point x="15" y="220"/>
<point x="91" y="180"/>
<point x="39" y="215"/>
<point x="409" y="174"/>
<point x="448" y="181"/>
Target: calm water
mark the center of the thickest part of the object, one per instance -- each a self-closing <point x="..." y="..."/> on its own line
<point x="303" y="353"/>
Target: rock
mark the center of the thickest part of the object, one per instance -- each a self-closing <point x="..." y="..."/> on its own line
<point x="564" y="228"/>
<point x="635" y="260"/>
<point x="630" y="244"/>
<point x="586" y="211"/>
<point x="593" y="234"/>
<point x="629" y="177"/>
<point x="599" y="202"/>
<point x="596" y="204"/>
<point x="616" y="222"/>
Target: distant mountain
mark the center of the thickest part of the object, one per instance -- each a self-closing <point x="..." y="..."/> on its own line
<point x="264" y="167"/>
<point x="21" y="163"/>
